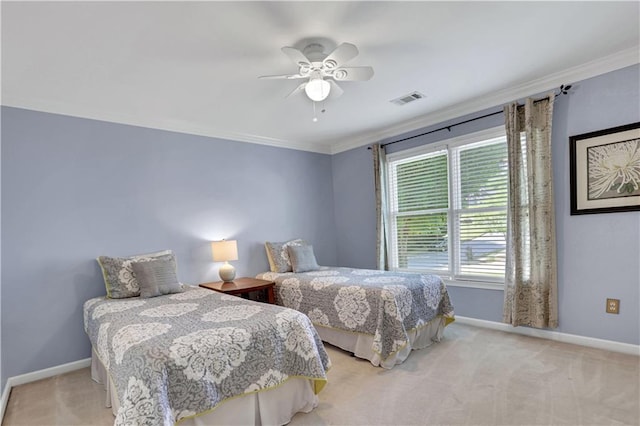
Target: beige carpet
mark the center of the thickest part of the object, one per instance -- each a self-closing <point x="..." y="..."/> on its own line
<point x="473" y="377"/>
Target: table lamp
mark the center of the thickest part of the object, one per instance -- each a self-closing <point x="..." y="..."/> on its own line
<point x="224" y="251"/>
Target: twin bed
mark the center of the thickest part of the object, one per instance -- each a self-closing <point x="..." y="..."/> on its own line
<point x="177" y="357"/>
<point x="184" y="354"/>
<point x="376" y="315"/>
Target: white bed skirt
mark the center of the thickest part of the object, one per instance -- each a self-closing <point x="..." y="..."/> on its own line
<point x="361" y="344"/>
<point x="270" y="407"/>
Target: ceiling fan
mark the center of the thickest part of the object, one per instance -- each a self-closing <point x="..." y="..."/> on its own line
<point x="322" y="70"/>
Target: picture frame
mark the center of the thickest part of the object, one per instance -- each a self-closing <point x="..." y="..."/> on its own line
<point x="604" y="169"/>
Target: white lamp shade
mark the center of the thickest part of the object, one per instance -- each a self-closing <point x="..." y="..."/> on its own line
<point x="224" y="251"/>
<point x="317" y="89"/>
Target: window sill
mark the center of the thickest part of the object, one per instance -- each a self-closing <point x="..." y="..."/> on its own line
<point x="474" y="284"/>
<point x="485" y="285"/>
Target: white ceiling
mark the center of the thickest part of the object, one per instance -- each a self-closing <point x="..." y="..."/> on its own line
<point x="193" y="66"/>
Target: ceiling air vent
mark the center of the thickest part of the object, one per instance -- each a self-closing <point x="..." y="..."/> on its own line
<point x="402" y="100"/>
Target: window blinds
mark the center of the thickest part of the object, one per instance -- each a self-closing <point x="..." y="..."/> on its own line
<point x="447" y="210"/>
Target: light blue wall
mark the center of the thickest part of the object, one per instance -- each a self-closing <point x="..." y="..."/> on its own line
<point x="355" y="208"/>
<point x="74" y="189"/>
<point x="1" y="376"/>
<point x="598" y="255"/>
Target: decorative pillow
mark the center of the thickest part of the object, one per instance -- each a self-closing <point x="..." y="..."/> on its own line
<point x="156" y="277"/>
<point x="302" y="258"/>
<point x="279" y="256"/>
<point x="118" y="275"/>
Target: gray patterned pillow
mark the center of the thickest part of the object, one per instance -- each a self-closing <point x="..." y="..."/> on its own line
<point x="279" y="256"/>
<point x="302" y="258"/>
<point x="156" y="277"/>
<point x="119" y="278"/>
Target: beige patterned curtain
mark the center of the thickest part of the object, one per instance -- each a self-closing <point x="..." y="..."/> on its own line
<point x="531" y="293"/>
<point x="379" y="172"/>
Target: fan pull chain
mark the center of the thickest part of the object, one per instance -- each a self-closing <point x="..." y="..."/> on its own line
<point x="315" y="117"/>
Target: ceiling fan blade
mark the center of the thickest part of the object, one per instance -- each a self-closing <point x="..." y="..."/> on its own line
<point x="353" y="74"/>
<point x="341" y="54"/>
<point x="336" y="91"/>
<point x="296" y="56"/>
<point x="282" y="76"/>
<point x="298" y="89"/>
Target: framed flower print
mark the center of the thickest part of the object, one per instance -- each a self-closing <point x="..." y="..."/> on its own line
<point x="605" y="170"/>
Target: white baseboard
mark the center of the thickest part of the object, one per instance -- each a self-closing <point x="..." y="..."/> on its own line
<point x="609" y="345"/>
<point x="39" y="375"/>
<point x="5" y="400"/>
<point x="49" y="372"/>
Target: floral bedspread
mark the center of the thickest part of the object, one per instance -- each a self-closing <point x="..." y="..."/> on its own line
<point x="384" y="304"/>
<point x="176" y="356"/>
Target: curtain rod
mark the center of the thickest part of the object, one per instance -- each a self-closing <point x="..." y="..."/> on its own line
<point x="564" y="90"/>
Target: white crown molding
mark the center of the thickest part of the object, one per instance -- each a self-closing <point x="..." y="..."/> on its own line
<point x="590" y="69"/>
<point x="600" y="66"/>
<point x="591" y="342"/>
<point x="167" y="125"/>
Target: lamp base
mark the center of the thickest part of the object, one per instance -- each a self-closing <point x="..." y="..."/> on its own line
<point x="227" y="272"/>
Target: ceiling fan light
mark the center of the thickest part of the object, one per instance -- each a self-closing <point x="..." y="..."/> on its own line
<point x="317" y="89"/>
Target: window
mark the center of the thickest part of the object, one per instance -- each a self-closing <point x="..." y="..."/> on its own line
<point x="447" y="209"/>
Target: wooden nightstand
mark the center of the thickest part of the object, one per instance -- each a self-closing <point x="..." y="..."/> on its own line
<point x="243" y="286"/>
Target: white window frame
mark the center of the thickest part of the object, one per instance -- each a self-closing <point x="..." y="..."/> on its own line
<point x="432" y="148"/>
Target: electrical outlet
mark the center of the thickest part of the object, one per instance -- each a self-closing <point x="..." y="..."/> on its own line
<point x="613" y="306"/>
